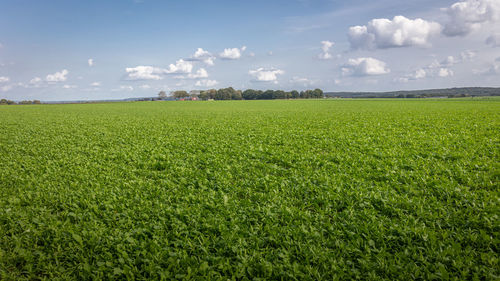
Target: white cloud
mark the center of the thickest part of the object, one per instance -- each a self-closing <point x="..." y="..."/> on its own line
<point x="4" y="79"/>
<point x="36" y="81"/>
<point x="439" y="69"/>
<point x="69" y="86"/>
<point x="493" y="40"/>
<point x="180" y="66"/>
<point x="493" y="69"/>
<point x="398" y="32"/>
<point x="123" y="88"/>
<point x="325" y="47"/>
<point x="144" y="73"/>
<point x="90" y="62"/>
<point x="206" y="83"/>
<point x="467" y="16"/>
<point x="200" y="73"/>
<point x="266" y="75"/>
<point x="365" y="67"/>
<point x="201" y="53"/>
<point x="95" y="84"/>
<point x="204" y="56"/>
<point x="6" y="88"/>
<point x="302" y="81"/>
<point x="58" y="76"/>
<point x="467" y="55"/>
<point x="419" y="74"/>
<point x="145" y="87"/>
<point x="445" y="72"/>
<point x="232" y="53"/>
<point x="449" y="61"/>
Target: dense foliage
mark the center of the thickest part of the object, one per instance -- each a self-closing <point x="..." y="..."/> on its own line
<point x="250" y="94"/>
<point x="288" y="189"/>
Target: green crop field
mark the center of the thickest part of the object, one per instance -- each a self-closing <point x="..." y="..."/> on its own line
<point x="251" y="190"/>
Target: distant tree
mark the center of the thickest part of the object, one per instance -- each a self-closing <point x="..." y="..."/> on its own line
<point x="317" y="93"/>
<point x="249" y="94"/>
<point x="267" y="95"/>
<point x="295" y="94"/>
<point x="180" y="94"/>
<point x="11" y="102"/>
<point x="3" y="101"/>
<point x="236" y="95"/>
<point x="162" y="94"/>
<point x="37" y="102"/>
<point x="225" y="93"/>
<point x="26" y="102"/>
<point x="211" y="93"/>
<point x="279" y="94"/>
<point x="203" y="95"/>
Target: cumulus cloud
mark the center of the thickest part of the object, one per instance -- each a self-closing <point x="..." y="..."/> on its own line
<point x="4" y="79"/>
<point x="493" y="40"/>
<point x="36" y="80"/>
<point x="325" y="47"/>
<point x="445" y="72"/>
<point x="155" y="73"/>
<point x="145" y="86"/>
<point x="302" y="81"/>
<point x="232" y="53"/>
<point x="206" y="83"/>
<point x="266" y="75"/>
<point x="144" y="73"/>
<point x="467" y="16"/>
<point x="181" y="66"/>
<point x="439" y="68"/>
<point x="398" y="32"/>
<point x="365" y="67"/>
<point x="200" y="73"/>
<point x="204" y="56"/>
<point x="58" y="76"/>
<point x="69" y="86"/>
<point x="90" y="62"/>
<point x="95" y="84"/>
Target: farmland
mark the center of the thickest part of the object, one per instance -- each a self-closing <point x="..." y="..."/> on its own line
<point x="299" y="189"/>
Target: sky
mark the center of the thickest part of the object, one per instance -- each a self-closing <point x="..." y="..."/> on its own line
<point x="88" y="50"/>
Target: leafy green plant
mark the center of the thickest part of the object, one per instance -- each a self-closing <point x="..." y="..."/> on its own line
<point x="290" y="189"/>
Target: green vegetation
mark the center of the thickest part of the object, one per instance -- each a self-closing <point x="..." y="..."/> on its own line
<point x="283" y="189"/>
<point x="250" y="94"/>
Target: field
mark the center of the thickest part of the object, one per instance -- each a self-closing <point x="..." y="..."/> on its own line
<point x="292" y="190"/>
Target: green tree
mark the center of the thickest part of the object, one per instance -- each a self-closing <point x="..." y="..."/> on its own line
<point x="180" y="94"/>
<point x="162" y="94"/>
<point x="317" y="93"/>
<point x="249" y="94"/>
<point x="225" y="94"/>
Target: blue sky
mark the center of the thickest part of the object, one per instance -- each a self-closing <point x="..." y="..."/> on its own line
<point x="67" y="50"/>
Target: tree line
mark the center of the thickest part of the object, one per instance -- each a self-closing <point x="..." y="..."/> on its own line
<point x="9" y="102"/>
<point x="249" y="94"/>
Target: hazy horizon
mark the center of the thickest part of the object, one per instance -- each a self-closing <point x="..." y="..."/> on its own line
<point x="97" y="50"/>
